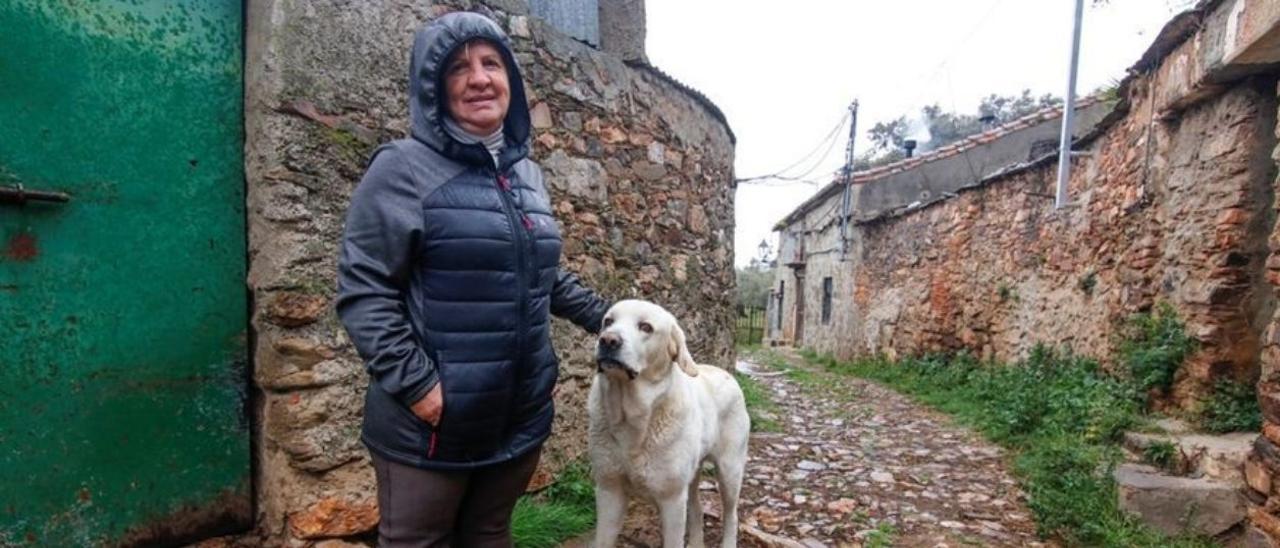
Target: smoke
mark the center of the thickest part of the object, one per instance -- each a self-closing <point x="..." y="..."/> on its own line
<point x="918" y="130"/>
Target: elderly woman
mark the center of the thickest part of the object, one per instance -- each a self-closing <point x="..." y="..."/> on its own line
<point x="447" y="279"/>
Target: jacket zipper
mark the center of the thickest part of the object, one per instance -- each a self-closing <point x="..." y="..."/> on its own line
<point x="522" y="220"/>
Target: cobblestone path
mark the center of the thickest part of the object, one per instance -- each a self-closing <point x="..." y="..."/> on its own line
<point x="857" y="464"/>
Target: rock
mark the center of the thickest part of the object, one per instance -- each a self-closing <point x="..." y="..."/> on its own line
<point x="810" y="466"/>
<point x="1256" y="538"/>
<point x="579" y="177"/>
<point x="336" y="543"/>
<point x="649" y="171"/>
<point x="612" y="135"/>
<point x="657" y="153"/>
<point x="951" y="524"/>
<point x="842" y="506"/>
<point x="881" y="477"/>
<point x="303" y="353"/>
<point x="540" y="115"/>
<point x="519" y="26"/>
<point x="1173" y="505"/>
<point x="293" y="309"/>
<point x="334" y="517"/>
<point x="1257" y="475"/>
<point x="1215" y="456"/>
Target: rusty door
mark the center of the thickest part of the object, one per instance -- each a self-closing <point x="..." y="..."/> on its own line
<point x="122" y="308"/>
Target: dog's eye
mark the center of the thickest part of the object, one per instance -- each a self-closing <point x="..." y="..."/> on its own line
<point x="646" y="327"/>
<point x="608" y="322"/>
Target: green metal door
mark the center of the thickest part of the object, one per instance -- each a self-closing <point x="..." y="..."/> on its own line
<point x="123" y="310"/>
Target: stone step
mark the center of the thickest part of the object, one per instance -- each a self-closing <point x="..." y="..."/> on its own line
<point x="1174" y="505"/>
<point x="1218" y="457"/>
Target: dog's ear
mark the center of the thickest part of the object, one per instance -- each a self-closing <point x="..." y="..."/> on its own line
<point x="680" y="351"/>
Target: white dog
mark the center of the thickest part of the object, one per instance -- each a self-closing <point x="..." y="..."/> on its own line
<point x="655" y="417"/>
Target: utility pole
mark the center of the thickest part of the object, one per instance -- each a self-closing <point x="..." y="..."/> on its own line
<point x="1069" y="112"/>
<point x="847" y="175"/>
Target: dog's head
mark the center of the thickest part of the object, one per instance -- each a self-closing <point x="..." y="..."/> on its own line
<point x="641" y="339"/>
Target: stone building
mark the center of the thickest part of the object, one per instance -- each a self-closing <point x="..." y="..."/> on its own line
<point x="640" y="168"/>
<point x="811" y="299"/>
<point x="1173" y="200"/>
<point x="212" y="389"/>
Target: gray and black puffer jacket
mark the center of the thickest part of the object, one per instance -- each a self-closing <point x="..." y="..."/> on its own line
<point x="449" y="273"/>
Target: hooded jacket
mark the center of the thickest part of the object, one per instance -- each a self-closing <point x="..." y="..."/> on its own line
<point x="449" y="272"/>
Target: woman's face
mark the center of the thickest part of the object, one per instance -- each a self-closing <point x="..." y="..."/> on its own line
<point x="476" y="87"/>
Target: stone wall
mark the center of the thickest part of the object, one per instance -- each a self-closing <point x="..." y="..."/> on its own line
<point x="640" y="170"/>
<point x="997" y="270"/>
<point x="1263" y="467"/>
<point x="1168" y="205"/>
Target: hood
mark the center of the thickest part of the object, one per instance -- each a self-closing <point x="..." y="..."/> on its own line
<point x="432" y="44"/>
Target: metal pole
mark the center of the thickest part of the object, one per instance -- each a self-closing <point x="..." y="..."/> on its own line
<point x="1069" y="112"/>
<point x="848" y="180"/>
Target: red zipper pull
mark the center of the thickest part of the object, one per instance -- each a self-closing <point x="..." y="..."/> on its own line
<point x="504" y="183"/>
<point x="528" y="223"/>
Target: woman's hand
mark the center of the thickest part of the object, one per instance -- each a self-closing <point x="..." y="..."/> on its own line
<point x="429" y="407"/>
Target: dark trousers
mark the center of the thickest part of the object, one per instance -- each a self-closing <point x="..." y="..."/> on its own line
<point x="435" y="508"/>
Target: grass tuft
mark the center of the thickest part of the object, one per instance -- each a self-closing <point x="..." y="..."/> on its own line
<point x="562" y="511"/>
<point x="1161" y="454"/>
<point x="761" y="409"/>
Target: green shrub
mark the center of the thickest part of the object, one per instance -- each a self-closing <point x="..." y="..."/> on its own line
<point x="1153" y="346"/>
<point x="1232" y="407"/>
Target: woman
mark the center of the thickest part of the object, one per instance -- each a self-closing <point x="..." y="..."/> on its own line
<point x="447" y="278"/>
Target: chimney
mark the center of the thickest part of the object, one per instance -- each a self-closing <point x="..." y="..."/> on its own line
<point x="910" y="146"/>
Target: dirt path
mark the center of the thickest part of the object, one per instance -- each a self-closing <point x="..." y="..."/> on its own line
<point x="858" y="464"/>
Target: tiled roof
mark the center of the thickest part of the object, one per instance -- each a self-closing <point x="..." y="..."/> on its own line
<point x="1035" y="118"/>
<point x="994" y="134"/>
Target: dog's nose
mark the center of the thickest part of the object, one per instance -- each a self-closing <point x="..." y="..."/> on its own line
<point x="610" y="341"/>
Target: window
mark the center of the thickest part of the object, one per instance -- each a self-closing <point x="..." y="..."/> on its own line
<point x="826" y="300"/>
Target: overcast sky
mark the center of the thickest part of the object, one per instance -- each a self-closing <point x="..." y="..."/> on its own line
<point x="784" y="74"/>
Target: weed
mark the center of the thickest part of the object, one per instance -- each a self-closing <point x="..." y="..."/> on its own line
<point x="1153" y="346"/>
<point x="1232" y="407"/>
<point x="1161" y="454"/>
<point x="1088" y="282"/>
<point x="1006" y="292"/>
<point x="881" y="536"/>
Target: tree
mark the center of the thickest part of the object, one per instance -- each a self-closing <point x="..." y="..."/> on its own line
<point x="945" y="127"/>
<point x="888" y="136"/>
<point x="753" y="287"/>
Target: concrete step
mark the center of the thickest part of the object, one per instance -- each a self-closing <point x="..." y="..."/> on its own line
<point x="1218" y="457"/>
<point x="1173" y="505"/>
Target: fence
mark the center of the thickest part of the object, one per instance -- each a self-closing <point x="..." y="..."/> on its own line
<point x="749" y="326"/>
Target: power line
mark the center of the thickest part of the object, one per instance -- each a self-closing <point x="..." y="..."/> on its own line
<point x="828" y="141"/>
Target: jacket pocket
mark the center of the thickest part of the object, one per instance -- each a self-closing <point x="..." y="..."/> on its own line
<point x="477" y="405"/>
